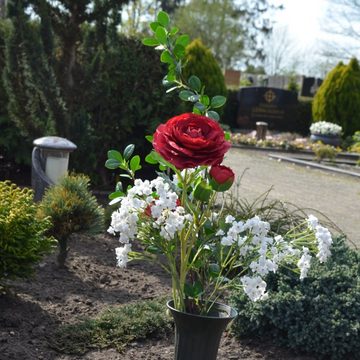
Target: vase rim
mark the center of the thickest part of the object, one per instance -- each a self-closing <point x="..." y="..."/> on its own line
<point x="230" y="314"/>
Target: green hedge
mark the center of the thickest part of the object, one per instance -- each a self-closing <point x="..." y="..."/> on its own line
<point x="319" y="315"/>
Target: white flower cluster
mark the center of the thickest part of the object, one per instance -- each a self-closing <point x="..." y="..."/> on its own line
<point x="325" y="128"/>
<point x="154" y="198"/>
<point x="267" y="252"/>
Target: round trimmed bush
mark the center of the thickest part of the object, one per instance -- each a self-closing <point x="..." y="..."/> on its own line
<point x="319" y="315"/>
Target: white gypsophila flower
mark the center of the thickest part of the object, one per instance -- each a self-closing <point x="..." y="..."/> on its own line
<point x="304" y="263"/>
<point x="325" y="128"/>
<point x="257" y="227"/>
<point x="263" y="266"/>
<point x="313" y="222"/>
<point x="227" y="241"/>
<point x="122" y="255"/>
<point x="229" y="219"/>
<point x="220" y="233"/>
<point x="254" y="287"/>
<point x="324" y="240"/>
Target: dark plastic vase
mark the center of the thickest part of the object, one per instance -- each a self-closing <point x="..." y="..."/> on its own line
<point x="197" y="337"/>
<point x="333" y="140"/>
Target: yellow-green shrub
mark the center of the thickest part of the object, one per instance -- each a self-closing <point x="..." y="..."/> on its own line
<point x="23" y="239"/>
<point x="72" y="208"/>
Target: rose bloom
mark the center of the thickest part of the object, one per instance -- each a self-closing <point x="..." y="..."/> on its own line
<point x="221" y="177"/>
<point x="190" y="140"/>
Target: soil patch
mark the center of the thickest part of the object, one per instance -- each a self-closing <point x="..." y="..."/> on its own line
<point x="36" y="308"/>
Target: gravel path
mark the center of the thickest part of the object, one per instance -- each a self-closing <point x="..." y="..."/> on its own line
<point x="336" y="196"/>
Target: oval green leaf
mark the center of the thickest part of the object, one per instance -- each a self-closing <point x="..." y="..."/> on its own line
<point x="185" y="95"/>
<point x="113" y="154"/>
<point x="163" y="18"/>
<point x="112" y="164"/>
<point x="194" y="83"/>
<point x="213" y="115"/>
<point x="183" y="40"/>
<point x="129" y="151"/>
<point x="135" y="163"/>
<point x="160" y="35"/>
<point x="166" y="57"/>
<point x="150" y="42"/>
<point x="218" y="101"/>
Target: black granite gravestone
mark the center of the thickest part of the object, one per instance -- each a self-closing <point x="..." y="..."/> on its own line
<point x="277" y="107"/>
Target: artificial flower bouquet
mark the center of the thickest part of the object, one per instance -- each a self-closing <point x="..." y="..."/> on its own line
<point x="325" y="128"/>
<point x="177" y="217"/>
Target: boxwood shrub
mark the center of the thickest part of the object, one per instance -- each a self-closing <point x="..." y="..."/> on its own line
<point x="319" y="315"/>
<point x="23" y="239"/>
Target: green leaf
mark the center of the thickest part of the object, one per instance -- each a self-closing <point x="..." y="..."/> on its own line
<point x="179" y="51"/>
<point x="112" y="164"/>
<point x="213" y="115"/>
<point x="154" y="25"/>
<point x="135" y="163"/>
<point x="214" y="270"/>
<point x="129" y="151"/>
<point x="183" y="40"/>
<point x="115" y="195"/>
<point x="149" y="138"/>
<point x="174" y="30"/>
<point x="194" y="83"/>
<point x="113" y="154"/>
<point x="150" y="42"/>
<point x="227" y="135"/>
<point x="166" y="57"/>
<point x="163" y="18"/>
<point x="160" y="35"/>
<point x="204" y="99"/>
<point x="200" y="106"/>
<point x="153" y="249"/>
<point x="150" y="159"/>
<point x="196" y="111"/>
<point x="218" y="101"/>
<point x="185" y="95"/>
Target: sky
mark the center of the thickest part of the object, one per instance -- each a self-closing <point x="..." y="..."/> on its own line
<point x="304" y="19"/>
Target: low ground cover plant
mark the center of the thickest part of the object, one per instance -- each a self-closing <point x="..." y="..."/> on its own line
<point x="72" y="208"/>
<point x="319" y="314"/>
<point x="115" y="327"/>
<point x="23" y="239"/>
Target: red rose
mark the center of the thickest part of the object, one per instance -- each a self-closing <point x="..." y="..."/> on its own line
<point x="190" y="140"/>
<point x="221" y="177"/>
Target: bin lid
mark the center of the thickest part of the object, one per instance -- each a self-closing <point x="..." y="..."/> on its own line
<point x="55" y="143"/>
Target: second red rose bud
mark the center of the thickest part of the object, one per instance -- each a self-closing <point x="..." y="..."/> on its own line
<point x="221" y="177"/>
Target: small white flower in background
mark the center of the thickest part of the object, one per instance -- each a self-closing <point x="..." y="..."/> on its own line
<point x="122" y="255"/>
<point x="304" y="263"/>
<point x="254" y="287"/>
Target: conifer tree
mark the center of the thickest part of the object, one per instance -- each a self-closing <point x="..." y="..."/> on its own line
<point x="338" y="98"/>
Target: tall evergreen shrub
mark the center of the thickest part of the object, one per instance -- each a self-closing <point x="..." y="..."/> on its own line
<point x="338" y="98"/>
<point x="202" y="63"/>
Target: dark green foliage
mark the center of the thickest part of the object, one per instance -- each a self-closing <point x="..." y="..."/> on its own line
<point x="122" y="99"/>
<point x="201" y="63"/>
<point x="319" y="315"/>
<point x="72" y="208"/>
<point x="22" y="233"/>
<point x="338" y="98"/>
<point x="116" y="327"/>
<point x="34" y="101"/>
